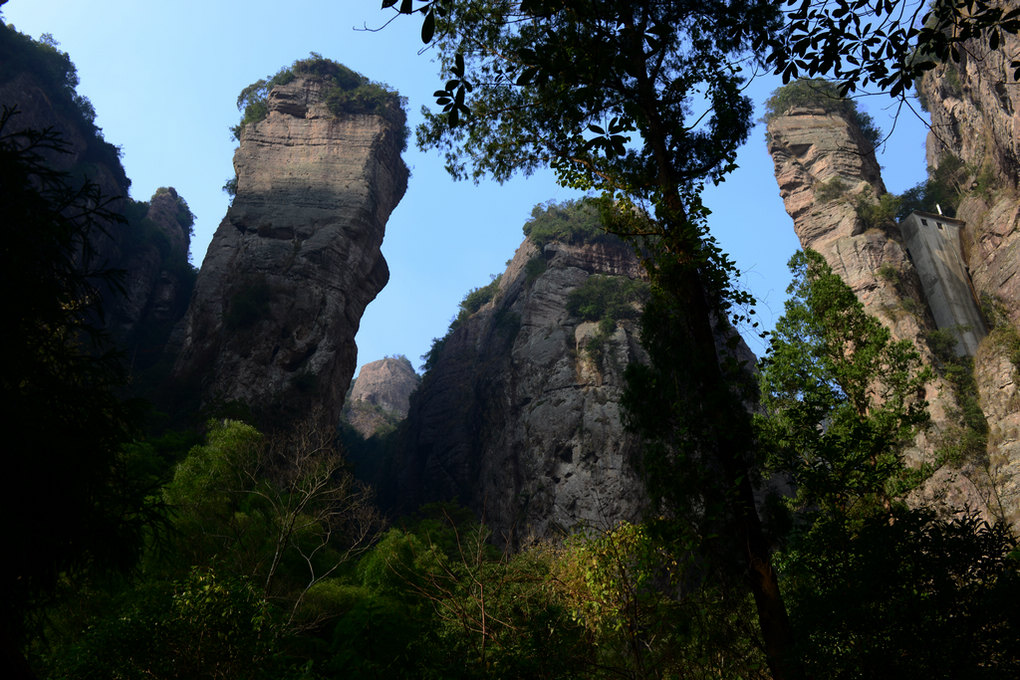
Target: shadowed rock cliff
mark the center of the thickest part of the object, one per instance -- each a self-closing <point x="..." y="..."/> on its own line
<point x="975" y="117"/>
<point x="146" y="244"/>
<point x="296" y="259"/>
<point x="518" y="416"/>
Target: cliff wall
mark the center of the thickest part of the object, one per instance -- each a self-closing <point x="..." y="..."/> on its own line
<point x="975" y="118"/>
<point x="147" y="243"/>
<point x="519" y="416"/>
<point x="297" y="258"/>
<point x="831" y="185"/>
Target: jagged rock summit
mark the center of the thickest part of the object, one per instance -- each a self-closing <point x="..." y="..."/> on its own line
<point x="297" y="258"/>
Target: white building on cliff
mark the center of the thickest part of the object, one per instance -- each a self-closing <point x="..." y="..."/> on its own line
<point x="933" y="244"/>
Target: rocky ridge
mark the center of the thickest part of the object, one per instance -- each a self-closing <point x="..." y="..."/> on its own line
<point x="519" y="416"/>
<point x="149" y="246"/>
<point x="296" y="259"/>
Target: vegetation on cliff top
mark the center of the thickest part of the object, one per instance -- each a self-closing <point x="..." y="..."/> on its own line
<point x="820" y="93"/>
<point x="572" y="221"/>
<point x="346" y="93"/>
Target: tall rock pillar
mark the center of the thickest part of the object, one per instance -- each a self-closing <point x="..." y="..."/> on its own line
<point x="297" y="258"/>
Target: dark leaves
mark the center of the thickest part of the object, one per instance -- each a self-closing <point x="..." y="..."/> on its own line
<point x="428" y="27"/>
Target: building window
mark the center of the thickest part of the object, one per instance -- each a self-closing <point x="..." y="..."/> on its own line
<point x="924" y="222"/>
<point x="940" y="226"/>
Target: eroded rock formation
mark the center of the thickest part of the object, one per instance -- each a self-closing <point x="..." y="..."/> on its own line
<point x="519" y="417"/>
<point x="296" y="259"/>
<point x="975" y="115"/>
<point x="827" y="172"/>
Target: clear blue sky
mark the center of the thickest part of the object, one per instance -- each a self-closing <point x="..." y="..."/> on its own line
<point x="164" y="77"/>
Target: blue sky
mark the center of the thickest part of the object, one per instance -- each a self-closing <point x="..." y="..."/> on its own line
<point x="164" y="77"/>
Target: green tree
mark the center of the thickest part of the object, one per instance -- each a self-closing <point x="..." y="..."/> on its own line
<point x="202" y="625"/>
<point x="875" y="588"/>
<point x="887" y="44"/>
<point x="624" y="120"/>
<point x="644" y="611"/>
<point x="282" y="510"/>
<point x="841" y="400"/>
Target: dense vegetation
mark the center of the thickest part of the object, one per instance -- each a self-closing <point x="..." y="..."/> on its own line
<point x="257" y="555"/>
<point x="574" y="221"/>
<point x="876" y="587"/>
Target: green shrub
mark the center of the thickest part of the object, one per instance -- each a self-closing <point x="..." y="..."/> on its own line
<point x="475" y="298"/>
<point x="831" y="190"/>
<point x="942" y="189"/>
<point x="889" y="272"/>
<point x="880" y="214"/>
<point x="970" y="440"/>
<point x="819" y="93"/>
<point x="535" y="267"/>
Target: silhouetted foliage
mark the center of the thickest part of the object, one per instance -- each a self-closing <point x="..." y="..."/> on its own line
<point x="20" y="56"/>
<point x="79" y="505"/>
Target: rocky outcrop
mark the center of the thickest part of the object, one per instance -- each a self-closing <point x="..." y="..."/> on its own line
<point x="152" y="252"/>
<point x="829" y="179"/>
<point x="380" y="396"/>
<point x="296" y="259"/>
<point x="824" y="167"/>
<point x="519" y="416"/>
<point x="975" y="114"/>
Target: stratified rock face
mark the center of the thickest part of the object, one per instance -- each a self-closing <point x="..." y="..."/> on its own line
<point x="975" y="112"/>
<point x="519" y="417"/>
<point x="975" y="116"/>
<point x="296" y="259"/>
<point x="380" y="396"/>
<point x="809" y="149"/>
<point x="814" y="151"/>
